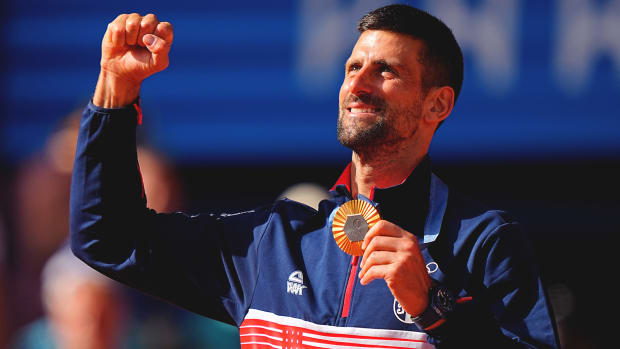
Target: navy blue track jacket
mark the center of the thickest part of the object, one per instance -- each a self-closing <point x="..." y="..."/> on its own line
<point x="276" y="271"/>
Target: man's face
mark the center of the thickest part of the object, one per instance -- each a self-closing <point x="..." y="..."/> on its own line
<point x="381" y="95"/>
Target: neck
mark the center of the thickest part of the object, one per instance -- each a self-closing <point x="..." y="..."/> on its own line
<point x="381" y="171"/>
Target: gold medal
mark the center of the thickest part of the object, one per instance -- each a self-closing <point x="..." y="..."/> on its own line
<point x="351" y="223"/>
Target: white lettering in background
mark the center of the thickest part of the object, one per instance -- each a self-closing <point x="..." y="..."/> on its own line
<point x="490" y="32"/>
<point x="327" y="33"/>
<point x="585" y="31"/>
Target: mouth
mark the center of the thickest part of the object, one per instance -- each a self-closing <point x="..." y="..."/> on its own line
<point x="362" y="110"/>
<point x="363" y="106"/>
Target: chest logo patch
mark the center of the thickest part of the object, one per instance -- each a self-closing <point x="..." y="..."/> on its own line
<point x="432" y="267"/>
<point x="295" y="284"/>
<point x="401" y="314"/>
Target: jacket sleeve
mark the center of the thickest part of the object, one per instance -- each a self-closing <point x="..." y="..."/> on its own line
<point x="509" y="307"/>
<point x="205" y="263"/>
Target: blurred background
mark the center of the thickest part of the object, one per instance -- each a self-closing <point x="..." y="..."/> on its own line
<point x="248" y="109"/>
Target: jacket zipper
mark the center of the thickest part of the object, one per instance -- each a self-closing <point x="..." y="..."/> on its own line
<point x="346" y="305"/>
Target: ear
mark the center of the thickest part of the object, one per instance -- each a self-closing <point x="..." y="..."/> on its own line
<point x="438" y="104"/>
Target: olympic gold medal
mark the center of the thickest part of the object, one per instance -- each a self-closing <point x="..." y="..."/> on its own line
<point x="351" y="223"/>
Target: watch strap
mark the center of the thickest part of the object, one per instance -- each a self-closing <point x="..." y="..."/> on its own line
<point x="437" y="309"/>
<point x="429" y="318"/>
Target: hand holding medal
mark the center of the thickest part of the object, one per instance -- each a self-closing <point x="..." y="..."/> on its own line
<point x="351" y="223"/>
<point x="406" y="277"/>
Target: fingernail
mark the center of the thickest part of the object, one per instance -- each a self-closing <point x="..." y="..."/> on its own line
<point x="148" y="39"/>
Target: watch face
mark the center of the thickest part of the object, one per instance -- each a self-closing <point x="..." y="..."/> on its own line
<point x="444" y="300"/>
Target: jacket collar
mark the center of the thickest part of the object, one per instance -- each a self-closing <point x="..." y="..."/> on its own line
<point x="417" y="204"/>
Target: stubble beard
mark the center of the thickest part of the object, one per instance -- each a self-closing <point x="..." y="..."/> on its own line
<point x="380" y="138"/>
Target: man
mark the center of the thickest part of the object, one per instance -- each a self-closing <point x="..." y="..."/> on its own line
<point x="455" y="274"/>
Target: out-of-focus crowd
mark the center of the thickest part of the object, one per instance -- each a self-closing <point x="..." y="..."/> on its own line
<point x="48" y="298"/>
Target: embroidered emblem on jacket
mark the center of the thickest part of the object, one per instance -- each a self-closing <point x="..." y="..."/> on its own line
<point x="401" y="314"/>
<point x="295" y="283"/>
<point x="432" y="267"/>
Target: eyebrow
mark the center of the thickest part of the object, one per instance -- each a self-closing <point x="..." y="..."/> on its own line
<point x="350" y="61"/>
<point x="397" y="66"/>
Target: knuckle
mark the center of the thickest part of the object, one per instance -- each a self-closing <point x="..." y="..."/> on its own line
<point x="408" y="244"/>
<point x="380" y="224"/>
<point x="114" y="28"/>
<point x="404" y="257"/>
<point x="390" y="282"/>
<point x="380" y="239"/>
<point x="166" y="27"/>
<point x="370" y="259"/>
<point x="371" y="245"/>
<point x="132" y="24"/>
<point x="149" y="21"/>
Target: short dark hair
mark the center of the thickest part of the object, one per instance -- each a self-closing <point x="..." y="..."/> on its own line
<point x="442" y="57"/>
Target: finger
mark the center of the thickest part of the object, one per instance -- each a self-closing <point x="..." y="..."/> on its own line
<point x="382" y="227"/>
<point x="156" y="45"/>
<point x="159" y="44"/>
<point x="376" y="258"/>
<point x="159" y="49"/>
<point x="165" y="31"/>
<point x="116" y="31"/>
<point x="375" y="272"/>
<point x="147" y="26"/>
<point x="382" y="243"/>
<point x="132" y="28"/>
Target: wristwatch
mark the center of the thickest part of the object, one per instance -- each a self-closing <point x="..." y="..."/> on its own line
<point x="440" y="304"/>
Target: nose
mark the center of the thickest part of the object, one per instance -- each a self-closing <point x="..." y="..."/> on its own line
<point x="361" y="82"/>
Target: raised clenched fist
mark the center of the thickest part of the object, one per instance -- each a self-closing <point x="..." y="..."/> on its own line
<point x="134" y="47"/>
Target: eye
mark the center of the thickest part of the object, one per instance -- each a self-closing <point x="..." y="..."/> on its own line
<point x="385" y="69"/>
<point x="353" y="67"/>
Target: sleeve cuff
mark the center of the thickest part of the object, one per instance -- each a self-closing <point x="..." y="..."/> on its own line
<point x="132" y="110"/>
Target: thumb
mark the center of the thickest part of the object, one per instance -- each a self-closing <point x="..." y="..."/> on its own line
<point x="154" y="43"/>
